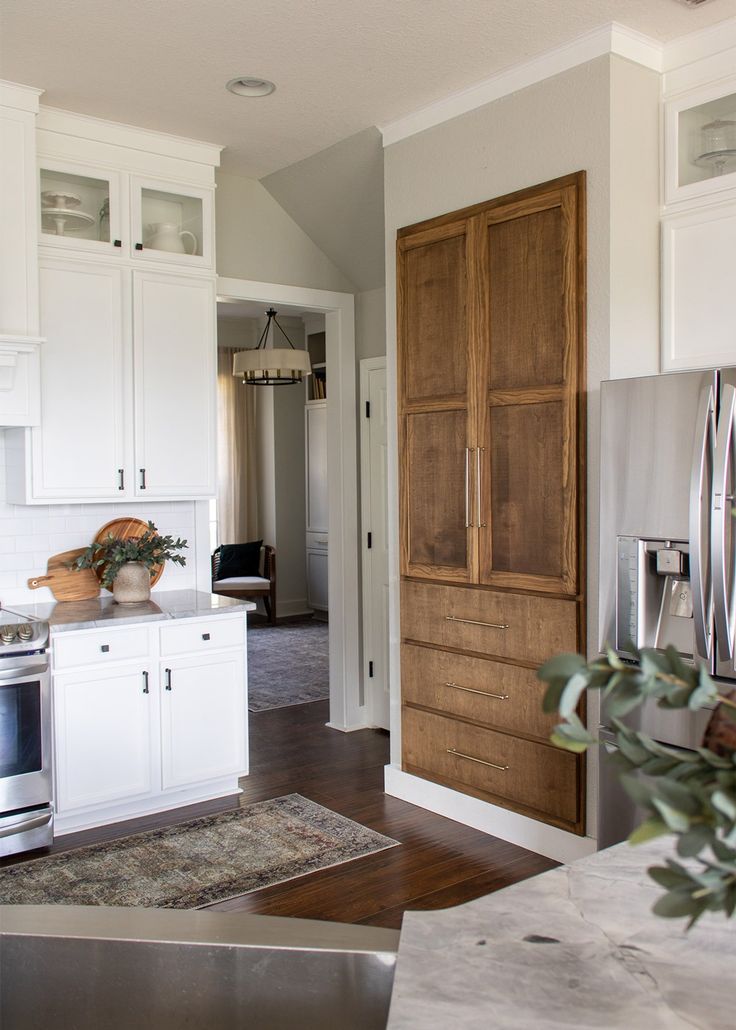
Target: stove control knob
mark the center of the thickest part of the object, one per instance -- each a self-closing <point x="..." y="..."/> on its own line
<point x="25" y="631"/>
<point x="7" y="634"/>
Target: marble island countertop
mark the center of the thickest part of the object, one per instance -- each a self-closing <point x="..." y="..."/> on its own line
<point x="577" y="946"/>
<point x="103" y="611"/>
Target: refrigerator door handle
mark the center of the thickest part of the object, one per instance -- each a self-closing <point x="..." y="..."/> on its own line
<point x="700" y="502"/>
<point x="721" y="526"/>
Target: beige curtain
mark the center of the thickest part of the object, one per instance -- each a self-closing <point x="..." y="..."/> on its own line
<point x="237" y="500"/>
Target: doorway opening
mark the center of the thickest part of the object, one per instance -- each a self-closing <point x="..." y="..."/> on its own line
<point x="302" y="469"/>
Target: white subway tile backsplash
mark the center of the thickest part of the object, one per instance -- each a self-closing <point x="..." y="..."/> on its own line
<point x="30" y="534"/>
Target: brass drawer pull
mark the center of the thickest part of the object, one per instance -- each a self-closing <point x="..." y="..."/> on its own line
<point x="474" y="622"/>
<point x="485" y="693"/>
<point x="480" y="761"/>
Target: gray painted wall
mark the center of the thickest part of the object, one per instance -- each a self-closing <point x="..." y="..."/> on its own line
<point x="257" y="239"/>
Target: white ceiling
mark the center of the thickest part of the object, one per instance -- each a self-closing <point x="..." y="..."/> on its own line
<point x="339" y="65"/>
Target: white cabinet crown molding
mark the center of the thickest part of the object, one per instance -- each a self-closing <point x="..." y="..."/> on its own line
<point x="18" y="96"/>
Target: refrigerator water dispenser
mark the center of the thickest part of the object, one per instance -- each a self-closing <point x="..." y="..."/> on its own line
<point x="654" y="605"/>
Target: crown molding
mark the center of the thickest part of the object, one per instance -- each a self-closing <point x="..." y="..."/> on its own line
<point x="22" y="98"/>
<point x="698" y="45"/>
<point x="608" y="39"/>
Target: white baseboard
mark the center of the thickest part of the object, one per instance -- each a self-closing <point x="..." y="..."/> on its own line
<point x="499" y="822"/>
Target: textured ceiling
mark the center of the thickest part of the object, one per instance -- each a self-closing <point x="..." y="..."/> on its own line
<point x="340" y="65"/>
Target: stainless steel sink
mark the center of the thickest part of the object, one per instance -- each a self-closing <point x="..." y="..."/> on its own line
<point x="102" y="968"/>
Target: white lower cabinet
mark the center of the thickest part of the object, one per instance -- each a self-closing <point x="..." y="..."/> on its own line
<point x="104" y="732"/>
<point x="135" y="737"/>
<point x="202" y="705"/>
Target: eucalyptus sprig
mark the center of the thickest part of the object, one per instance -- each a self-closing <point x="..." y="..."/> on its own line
<point x="691" y="794"/>
<point x="150" y="549"/>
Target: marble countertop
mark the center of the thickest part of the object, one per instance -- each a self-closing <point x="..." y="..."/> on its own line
<point x="103" y="611"/>
<point x="577" y="946"/>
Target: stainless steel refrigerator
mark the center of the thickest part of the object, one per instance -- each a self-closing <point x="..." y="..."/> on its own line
<point x="667" y="538"/>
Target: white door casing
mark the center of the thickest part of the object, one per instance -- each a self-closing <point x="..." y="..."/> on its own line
<point x="374" y="512"/>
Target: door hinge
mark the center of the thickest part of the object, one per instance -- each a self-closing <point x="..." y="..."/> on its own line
<point x="367" y="409"/>
<point x="370" y="670"/>
<point x="370" y="540"/>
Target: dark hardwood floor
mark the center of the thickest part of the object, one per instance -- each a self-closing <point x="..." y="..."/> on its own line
<point x="440" y="862"/>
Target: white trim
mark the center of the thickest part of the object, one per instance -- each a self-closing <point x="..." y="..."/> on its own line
<point x="346" y="711"/>
<point x="698" y="45"/>
<point x="22" y="98"/>
<point x="367" y="365"/>
<point x="499" y="822"/>
<point x="85" y="126"/>
<point x="608" y="39"/>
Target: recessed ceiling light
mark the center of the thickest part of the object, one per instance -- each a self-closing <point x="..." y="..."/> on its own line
<point x="250" y="86"/>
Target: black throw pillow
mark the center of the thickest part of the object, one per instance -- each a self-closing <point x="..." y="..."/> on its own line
<point x="240" y="560"/>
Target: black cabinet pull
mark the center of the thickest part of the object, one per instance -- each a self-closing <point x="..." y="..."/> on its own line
<point x="145" y="683"/>
<point x="168" y="679"/>
<point x="205" y="636"/>
<point x="104" y="648"/>
<point x="143" y="478"/>
<point x="139" y="246"/>
<point x="117" y="243"/>
<point x="121" y="478"/>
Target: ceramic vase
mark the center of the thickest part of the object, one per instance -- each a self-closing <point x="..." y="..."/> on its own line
<point x="132" y="585"/>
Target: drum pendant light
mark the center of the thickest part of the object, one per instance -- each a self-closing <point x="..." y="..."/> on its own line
<point x="272" y="366"/>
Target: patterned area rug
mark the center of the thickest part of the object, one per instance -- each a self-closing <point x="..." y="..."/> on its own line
<point x="287" y="665"/>
<point x="196" y="863"/>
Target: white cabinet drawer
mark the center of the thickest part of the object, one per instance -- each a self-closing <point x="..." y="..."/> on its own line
<point x="208" y="635"/>
<point x="318" y="541"/>
<point x="100" y="646"/>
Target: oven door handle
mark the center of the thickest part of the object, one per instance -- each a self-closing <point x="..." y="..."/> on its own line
<point x="10" y="830"/>
<point x="22" y="672"/>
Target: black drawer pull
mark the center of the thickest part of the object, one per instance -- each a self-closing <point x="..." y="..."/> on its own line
<point x="205" y="636"/>
<point x="139" y="246"/>
<point x="104" y="648"/>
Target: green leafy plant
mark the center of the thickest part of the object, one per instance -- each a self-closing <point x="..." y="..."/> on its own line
<point x="150" y="549"/>
<point x="690" y="794"/>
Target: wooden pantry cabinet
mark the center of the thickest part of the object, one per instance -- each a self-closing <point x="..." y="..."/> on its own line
<point x="491" y="364"/>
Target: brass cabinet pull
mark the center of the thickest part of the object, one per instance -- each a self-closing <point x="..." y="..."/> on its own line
<point x="479" y="457"/>
<point x="468" y="513"/>
<point x="474" y="622"/>
<point x="485" y="693"/>
<point x="480" y="761"/>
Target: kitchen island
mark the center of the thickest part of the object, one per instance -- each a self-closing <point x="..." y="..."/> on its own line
<point x="577" y="946"/>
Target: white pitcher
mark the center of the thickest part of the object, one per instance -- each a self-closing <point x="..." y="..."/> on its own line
<point x="168" y="236"/>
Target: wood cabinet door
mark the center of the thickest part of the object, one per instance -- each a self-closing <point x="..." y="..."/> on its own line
<point x="436" y="311"/>
<point x="530" y="371"/>
<point x="174" y="350"/>
<point x="80" y="451"/>
<point x="103" y="736"/>
<point x="204" y="718"/>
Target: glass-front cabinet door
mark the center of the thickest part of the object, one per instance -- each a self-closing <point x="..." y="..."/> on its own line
<point x="171" y="223"/>
<point x="700" y="142"/>
<point x="80" y="207"/>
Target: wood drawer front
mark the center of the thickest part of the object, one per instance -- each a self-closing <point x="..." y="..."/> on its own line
<point x="207" y="635"/>
<point x="100" y="646"/>
<point x="478" y="689"/>
<point x="512" y="625"/>
<point x="541" y="779"/>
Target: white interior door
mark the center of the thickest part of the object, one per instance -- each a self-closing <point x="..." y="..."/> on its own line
<point x="174" y="341"/>
<point x="374" y="481"/>
<point x="80" y="450"/>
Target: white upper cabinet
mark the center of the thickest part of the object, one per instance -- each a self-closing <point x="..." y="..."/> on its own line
<point x="700" y="143"/>
<point x="171" y="223"/>
<point x="80" y="450"/>
<point x="81" y="208"/>
<point x="174" y="360"/>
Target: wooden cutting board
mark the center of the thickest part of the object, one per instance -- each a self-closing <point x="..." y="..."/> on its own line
<point x="67" y="584"/>
<point x="126" y="529"/>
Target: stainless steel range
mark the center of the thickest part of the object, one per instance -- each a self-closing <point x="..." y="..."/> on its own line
<point x="26" y="813"/>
